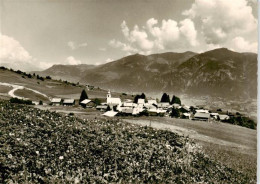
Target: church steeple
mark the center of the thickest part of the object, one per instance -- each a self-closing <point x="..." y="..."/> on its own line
<point x="108" y="94"/>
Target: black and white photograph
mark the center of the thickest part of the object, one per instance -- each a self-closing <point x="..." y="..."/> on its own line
<point x="128" y="91"/>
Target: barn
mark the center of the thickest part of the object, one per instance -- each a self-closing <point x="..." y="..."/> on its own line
<point x="56" y="101"/>
<point x="69" y="102"/>
<point x="87" y="103"/>
<point x="202" y="116"/>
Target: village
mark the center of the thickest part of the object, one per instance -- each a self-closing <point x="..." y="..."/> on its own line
<point x="141" y="106"/>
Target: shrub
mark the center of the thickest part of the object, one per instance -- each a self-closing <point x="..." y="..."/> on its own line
<point x="175" y="113"/>
<point x="242" y="121"/>
<point x="97" y="101"/>
<point x="21" y="101"/>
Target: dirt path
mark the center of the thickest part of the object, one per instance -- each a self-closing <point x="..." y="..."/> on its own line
<point x="16" y="87"/>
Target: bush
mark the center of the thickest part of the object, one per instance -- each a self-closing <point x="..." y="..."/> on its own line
<point x="21" y="101"/>
<point x="242" y="121"/>
<point x="97" y="101"/>
<point x="175" y="113"/>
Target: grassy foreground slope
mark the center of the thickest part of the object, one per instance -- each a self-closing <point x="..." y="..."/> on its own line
<point x="46" y="147"/>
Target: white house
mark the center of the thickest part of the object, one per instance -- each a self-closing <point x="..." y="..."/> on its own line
<point x="202" y="111"/>
<point x="151" y="102"/>
<point x="149" y="106"/>
<point x="141" y="101"/>
<point x="163" y="105"/>
<point x="129" y="104"/>
<point x="223" y="117"/>
<point x="187" y="115"/>
<point x="56" y="101"/>
<point x="176" y="106"/>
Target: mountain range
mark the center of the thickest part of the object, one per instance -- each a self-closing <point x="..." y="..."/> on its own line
<point x="217" y="73"/>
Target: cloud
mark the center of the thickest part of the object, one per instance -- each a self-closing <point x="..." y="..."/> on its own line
<point x="206" y="24"/>
<point x="123" y="46"/>
<point x="71" y="61"/>
<point x="188" y="29"/>
<point x="73" y="46"/>
<point x="11" y="50"/>
<point x="125" y="29"/>
<point x="14" y="55"/>
<point x="240" y="44"/>
<point x="153" y="38"/>
<point x="222" y="20"/>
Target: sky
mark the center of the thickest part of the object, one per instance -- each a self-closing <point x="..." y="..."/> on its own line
<point x="36" y="34"/>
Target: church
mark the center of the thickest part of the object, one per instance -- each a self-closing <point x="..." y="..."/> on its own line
<point x="113" y="101"/>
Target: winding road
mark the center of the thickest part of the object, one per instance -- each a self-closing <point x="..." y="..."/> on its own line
<point x="16" y="87"/>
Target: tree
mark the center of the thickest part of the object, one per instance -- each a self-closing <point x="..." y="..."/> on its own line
<point x="142" y="96"/>
<point x="175" y="113"/>
<point x="108" y="108"/>
<point x="97" y="101"/>
<point x="83" y="96"/>
<point x="192" y="109"/>
<point x="165" y="98"/>
<point x="40" y="102"/>
<point x="114" y="108"/>
<point x="176" y="100"/>
<point x="136" y="98"/>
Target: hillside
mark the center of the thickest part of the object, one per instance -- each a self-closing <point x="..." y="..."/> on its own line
<point x="49" y="87"/>
<point x="53" y="148"/>
<point x="72" y="73"/>
<point x="216" y="73"/>
<point x="219" y="72"/>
